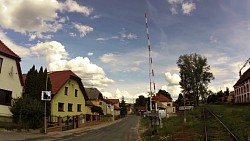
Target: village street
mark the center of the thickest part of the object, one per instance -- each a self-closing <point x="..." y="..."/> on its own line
<point x="126" y="130"/>
<point x="120" y="130"/>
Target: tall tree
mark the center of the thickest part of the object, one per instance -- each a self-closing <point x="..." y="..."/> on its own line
<point x="29" y="110"/>
<point x="195" y="76"/>
<point x="165" y="93"/>
<point x="140" y="101"/>
<point x="36" y="82"/>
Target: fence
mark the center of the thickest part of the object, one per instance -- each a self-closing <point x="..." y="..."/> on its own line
<point x="55" y="123"/>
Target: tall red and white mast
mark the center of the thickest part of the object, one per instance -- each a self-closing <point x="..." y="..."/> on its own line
<point x="151" y="70"/>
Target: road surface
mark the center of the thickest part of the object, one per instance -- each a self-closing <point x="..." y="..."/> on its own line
<point x="126" y="130"/>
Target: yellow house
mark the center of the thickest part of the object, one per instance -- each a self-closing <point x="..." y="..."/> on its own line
<point x="11" y="84"/>
<point x="68" y="94"/>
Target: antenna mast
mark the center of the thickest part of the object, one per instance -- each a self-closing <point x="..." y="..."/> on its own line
<point x="151" y="70"/>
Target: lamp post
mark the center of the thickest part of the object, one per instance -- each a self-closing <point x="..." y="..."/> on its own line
<point x="45" y="126"/>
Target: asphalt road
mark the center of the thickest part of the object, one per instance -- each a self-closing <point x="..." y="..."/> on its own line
<point x="126" y="130"/>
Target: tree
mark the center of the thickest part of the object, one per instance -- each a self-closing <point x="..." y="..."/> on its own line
<point x="180" y="99"/>
<point x="195" y="76"/>
<point x="36" y="82"/>
<point x="165" y="93"/>
<point x="141" y="101"/>
<point x="123" y="110"/>
<point x="29" y="110"/>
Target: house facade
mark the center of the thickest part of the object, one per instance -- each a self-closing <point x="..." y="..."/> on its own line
<point x="242" y="88"/>
<point x="115" y="107"/>
<point x="164" y="103"/>
<point x="11" y="84"/>
<point x="68" y="94"/>
<point x="96" y="97"/>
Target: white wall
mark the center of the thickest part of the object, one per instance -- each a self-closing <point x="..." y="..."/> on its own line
<point x="9" y="80"/>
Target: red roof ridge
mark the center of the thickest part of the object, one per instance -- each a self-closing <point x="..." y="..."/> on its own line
<point x="4" y="49"/>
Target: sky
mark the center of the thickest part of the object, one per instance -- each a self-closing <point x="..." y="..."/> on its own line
<point x="105" y="41"/>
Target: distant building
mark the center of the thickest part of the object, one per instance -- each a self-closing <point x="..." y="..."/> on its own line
<point x="11" y="83"/>
<point x="116" y="108"/>
<point x="164" y="103"/>
<point x="242" y="88"/>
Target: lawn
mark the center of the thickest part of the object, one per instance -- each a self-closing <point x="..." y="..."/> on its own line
<point x="236" y="117"/>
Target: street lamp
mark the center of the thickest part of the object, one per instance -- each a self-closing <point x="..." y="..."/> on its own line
<point x="45" y="96"/>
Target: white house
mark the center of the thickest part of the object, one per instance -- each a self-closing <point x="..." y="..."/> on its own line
<point x="11" y="84"/>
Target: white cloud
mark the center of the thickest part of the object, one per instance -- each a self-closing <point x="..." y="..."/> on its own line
<point x="57" y="59"/>
<point x="95" y="17"/>
<point x="175" y="1"/>
<point x="174" y="10"/>
<point x="185" y="6"/>
<point x="129" y="62"/>
<point x="36" y="17"/>
<point x="213" y="39"/>
<point x="33" y="36"/>
<point x="172" y="79"/>
<point x="173" y="90"/>
<point x="188" y="7"/>
<point x="53" y="51"/>
<point x="90" y="54"/>
<point x="30" y="16"/>
<point x="109" y="58"/>
<point x="72" y="6"/>
<point x="102" y="39"/>
<point x="72" y="34"/>
<point x="122" y="37"/>
<point x="19" y="50"/>
<point x="129" y="36"/>
<point x="83" y="29"/>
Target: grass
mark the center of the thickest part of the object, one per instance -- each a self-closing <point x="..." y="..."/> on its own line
<point x="174" y="128"/>
<point x="236" y="117"/>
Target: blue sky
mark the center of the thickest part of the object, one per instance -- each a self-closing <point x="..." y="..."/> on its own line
<point x="105" y="42"/>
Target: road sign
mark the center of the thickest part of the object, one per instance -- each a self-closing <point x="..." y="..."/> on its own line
<point x="46" y="95"/>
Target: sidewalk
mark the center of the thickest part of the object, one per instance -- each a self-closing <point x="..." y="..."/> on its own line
<point x="6" y="135"/>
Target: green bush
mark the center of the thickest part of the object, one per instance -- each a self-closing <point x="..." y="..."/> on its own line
<point x="28" y="112"/>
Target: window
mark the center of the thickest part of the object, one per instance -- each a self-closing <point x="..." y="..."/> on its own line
<point x="5" y="97"/>
<point x="1" y="62"/>
<point x="66" y="91"/>
<point x="76" y="92"/>
<point x="70" y="107"/>
<point x="60" y="107"/>
<point x="79" y="107"/>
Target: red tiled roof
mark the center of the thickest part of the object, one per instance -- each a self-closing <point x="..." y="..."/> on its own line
<point x="113" y="101"/>
<point x="162" y="98"/>
<point x="59" y="78"/>
<point x="7" y="51"/>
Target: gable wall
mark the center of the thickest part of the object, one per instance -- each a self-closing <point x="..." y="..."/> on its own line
<point x="70" y="98"/>
<point x="10" y="82"/>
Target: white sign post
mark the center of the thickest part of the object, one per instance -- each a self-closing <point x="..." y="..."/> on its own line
<point x="46" y="96"/>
